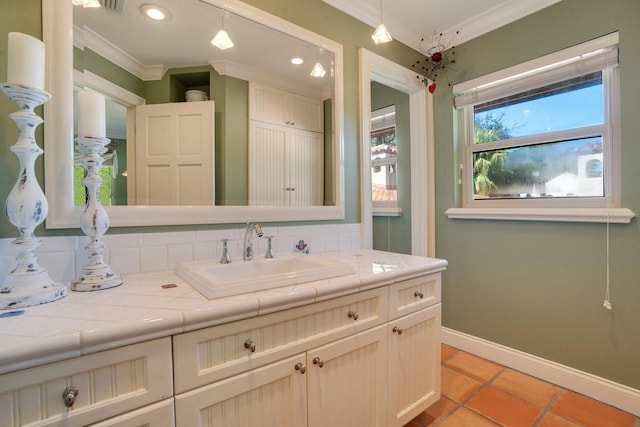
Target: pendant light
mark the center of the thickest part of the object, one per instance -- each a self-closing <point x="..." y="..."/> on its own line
<point x="318" y="70"/>
<point x="381" y="34"/>
<point x="222" y="40"/>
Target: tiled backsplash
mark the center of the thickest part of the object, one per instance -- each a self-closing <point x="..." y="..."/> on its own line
<point x="65" y="257"/>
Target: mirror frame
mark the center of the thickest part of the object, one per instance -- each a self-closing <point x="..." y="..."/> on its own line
<point x="57" y="25"/>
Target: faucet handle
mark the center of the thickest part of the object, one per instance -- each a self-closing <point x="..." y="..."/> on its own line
<point x="226" y="258"/>
<point x="269" y="253"/>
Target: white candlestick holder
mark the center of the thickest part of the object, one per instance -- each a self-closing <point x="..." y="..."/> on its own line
<point x="94" y="221"/>
<point x="26" y="207"/>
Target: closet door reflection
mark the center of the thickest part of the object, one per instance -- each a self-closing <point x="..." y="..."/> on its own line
<point x="174" y="156"/>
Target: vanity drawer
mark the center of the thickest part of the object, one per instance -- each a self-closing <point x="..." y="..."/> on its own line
<point x="109" y="383"/>
<point x="208" y="355"/>
<point x="412" y="295"/>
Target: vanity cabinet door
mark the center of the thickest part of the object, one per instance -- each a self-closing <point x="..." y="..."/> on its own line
<point x="347" y="381"/>
<point x="414" y="364"/>
<point x="108" y="383"/>
<point x="274" y="395"/>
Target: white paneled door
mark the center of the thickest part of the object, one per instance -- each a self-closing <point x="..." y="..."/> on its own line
<point x="174" y="154"/>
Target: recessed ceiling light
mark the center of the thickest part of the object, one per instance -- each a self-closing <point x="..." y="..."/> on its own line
<point x="297" y="60"/>
<point x="155" y="12"/>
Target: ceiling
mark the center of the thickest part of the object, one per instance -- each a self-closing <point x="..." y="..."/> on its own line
<point x="409" y="21"/>
<point x="147" y="48"/>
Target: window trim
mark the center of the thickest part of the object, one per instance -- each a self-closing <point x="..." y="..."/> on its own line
<point x="593" y="55"/>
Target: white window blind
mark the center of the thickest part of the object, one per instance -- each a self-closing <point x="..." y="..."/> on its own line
<point x="587" y="57"/>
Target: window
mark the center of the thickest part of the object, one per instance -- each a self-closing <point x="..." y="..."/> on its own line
<point x="384" y="161"/>
<point x="543" y="134"/>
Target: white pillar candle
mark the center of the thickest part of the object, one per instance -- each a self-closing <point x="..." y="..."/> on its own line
<point x="25" y="61"/>
<point x="91" y="114"/>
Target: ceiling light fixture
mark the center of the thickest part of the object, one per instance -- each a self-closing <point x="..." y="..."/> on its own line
<point x="86" y="3"/>
<point x="318" y="70"/>
<point x="297" y="60"/>
<point x="155" y="12"/>
<point x="222" y="40"/>
<point x="381" y="34"/>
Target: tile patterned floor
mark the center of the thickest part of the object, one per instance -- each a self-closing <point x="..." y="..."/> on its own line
<point x="479" y="393"/>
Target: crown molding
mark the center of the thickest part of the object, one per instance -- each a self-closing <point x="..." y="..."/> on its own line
<point x="85" y="37"/>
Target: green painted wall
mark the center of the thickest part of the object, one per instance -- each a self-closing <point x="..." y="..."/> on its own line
<point x="394" y="233"/>
<point x="232" y="134"/>
<point x="539" y="286"/>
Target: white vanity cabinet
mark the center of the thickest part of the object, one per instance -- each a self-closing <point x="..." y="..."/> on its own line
<point x="414" y="347"/>
<point x="106" y="384"/>
<point x="371" y="358"/>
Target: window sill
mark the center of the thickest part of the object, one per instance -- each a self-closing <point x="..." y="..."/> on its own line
<point x="597" y="215"/>
<point x="387" y="211"/>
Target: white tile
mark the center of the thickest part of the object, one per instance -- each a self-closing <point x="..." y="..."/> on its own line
<point x="81" y="260"/>
<point x="154" y="239"/>
<point x="58" y="243"/>
<point x="114" y="241"/>
<point x="216" y="235"/>
<point x="177" y="253"/>
<point x="125" y="260"/>
<point x="345" y="241"/>
<point x="59" y="265"/>
<point x="153" y="258"/>
<point x="204" y="251"/>
<point x="297" y="231"/>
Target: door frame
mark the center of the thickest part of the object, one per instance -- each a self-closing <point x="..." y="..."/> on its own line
<point x="376" y="68"/>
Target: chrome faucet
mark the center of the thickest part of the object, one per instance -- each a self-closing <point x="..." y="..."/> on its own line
<point x="226" y="257"/>
<point x="247" y="252"/>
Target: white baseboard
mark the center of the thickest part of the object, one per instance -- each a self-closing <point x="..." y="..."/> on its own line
<point x="609" y="392"/>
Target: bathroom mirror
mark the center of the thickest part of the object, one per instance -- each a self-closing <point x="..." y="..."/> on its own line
<point x="57" y="25"/>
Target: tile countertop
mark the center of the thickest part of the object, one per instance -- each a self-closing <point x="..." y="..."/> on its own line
<point x="141" y="309"/>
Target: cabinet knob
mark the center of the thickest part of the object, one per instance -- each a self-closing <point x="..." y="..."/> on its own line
<point x="353" y="315"/>
<point x="250" y="345"/>
<point x="318" y="361"/>
<point x="418" y="294"/>
<point x="69" y="396"/>
<point x="301" y="367"/>
<point x="397" y="330"/>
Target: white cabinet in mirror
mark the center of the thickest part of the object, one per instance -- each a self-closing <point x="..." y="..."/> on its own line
<point x="58" y="21"/>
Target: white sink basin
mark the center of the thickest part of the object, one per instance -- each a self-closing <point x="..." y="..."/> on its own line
<point x="215" y="280"/>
